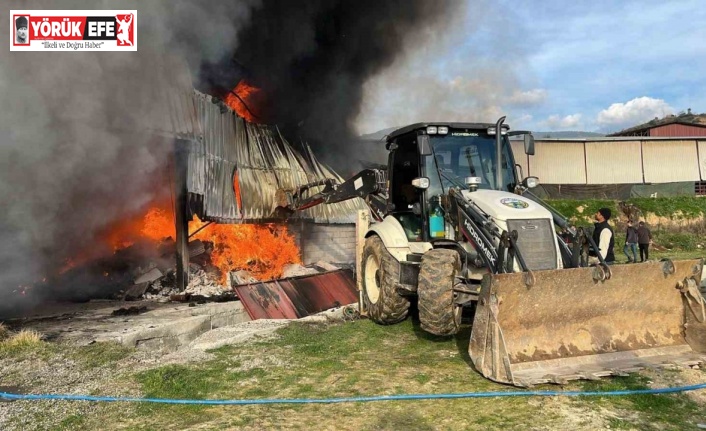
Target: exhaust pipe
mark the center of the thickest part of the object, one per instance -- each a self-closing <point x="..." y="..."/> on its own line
<point x="499" y="153"/>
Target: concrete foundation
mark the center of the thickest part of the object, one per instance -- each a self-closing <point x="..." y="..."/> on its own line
<point x="163" y="327"/>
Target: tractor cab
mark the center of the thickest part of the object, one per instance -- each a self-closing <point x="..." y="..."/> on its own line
<point x="426" y="160"/>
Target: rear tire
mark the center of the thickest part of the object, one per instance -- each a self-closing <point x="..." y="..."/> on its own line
<point x="438" y="314"/>
<point x="380" y="273"/>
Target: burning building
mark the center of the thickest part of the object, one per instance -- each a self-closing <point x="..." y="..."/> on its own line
<point x="85" y="161"/>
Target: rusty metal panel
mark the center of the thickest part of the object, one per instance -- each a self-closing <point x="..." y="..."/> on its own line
<point x="332" y="289"/>
<point x="670" y="161"/>
<point x="298" y="297"/>
<point x="613" y="162"/>
<point x="559" y="162"/>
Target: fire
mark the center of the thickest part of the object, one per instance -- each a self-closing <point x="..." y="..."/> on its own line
<point x="262" y="249"/>
<point x="240" y="100"/>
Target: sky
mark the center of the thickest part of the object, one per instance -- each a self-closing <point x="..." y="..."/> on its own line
<point x="596" y="66"/>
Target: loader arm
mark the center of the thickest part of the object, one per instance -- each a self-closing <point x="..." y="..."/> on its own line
<point x="368" y="184"/>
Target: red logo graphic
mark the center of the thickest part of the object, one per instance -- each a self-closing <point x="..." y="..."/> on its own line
<point x="126" y="29"/>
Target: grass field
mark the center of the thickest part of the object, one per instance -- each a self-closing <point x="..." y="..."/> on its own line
<point x="358" y="358"/>
<point x="341" y="360"/>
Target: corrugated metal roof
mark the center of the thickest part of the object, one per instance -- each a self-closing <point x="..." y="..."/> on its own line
<point x="298" y="297"/>
<point x="695" y="121"/>
<point x="261" y="161"/>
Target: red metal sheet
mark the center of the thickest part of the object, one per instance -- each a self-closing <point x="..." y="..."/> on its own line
<point x="265" y="301"/>
<point x="677" y="130"/>
<point x="298" y="297"/>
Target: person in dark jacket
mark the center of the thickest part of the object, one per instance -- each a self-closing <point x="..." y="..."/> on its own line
<point x="644" y="239"/>
<point x="603" y="235"/>
<point x="631" y="243"/>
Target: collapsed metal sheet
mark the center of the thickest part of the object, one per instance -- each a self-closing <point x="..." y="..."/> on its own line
<point x="231" y="150"/>
<point x="298" y="297"/>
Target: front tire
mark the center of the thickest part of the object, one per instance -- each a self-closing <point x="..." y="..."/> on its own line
<point x="380" y="274"/>
<point x="438" y="314"/>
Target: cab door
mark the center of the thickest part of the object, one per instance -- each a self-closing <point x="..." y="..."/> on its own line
<point x="405" y="200"/>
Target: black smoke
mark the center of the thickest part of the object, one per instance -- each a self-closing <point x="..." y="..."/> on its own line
<point x="81" y="133"/>
<point x="311" y="59"/>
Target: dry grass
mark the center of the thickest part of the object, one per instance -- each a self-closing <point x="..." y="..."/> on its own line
<point x="24" y="338"/>
<point x="4" y="332"/>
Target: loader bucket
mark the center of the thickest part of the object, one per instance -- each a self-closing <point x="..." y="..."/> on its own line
<point x="584" y="323"/>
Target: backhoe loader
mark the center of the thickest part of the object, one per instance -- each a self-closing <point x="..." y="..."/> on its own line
<point x="453" y="222"/>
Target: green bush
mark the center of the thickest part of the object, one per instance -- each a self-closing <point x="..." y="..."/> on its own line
<point x="676" y="240"/>
<point x="569" y="208"/>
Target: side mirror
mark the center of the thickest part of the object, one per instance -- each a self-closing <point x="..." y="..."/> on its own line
<point x="529" y="144"/>
<point x="424" y="145"/>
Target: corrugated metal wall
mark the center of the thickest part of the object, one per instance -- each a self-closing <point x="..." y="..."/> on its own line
<point x="608" y="163"/>
<point x="677" y="130"/>
<point x="702" y="159"/>
<point x="558" y="163"/>
<point x="617" y="161"/>
<point x="230" y="149"/>
<point x="670" y="163"/>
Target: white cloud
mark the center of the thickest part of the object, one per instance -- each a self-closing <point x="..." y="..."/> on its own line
<point x="569" y="122"/>
<point x="633" y="112"/>
<point x="528" y="98"/>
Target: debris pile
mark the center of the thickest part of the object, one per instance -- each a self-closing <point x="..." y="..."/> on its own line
<point x="157" y="282"/>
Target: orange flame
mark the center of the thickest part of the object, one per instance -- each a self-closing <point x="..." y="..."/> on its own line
<point x="263" y="250"/>
<point x="243" y="101"/>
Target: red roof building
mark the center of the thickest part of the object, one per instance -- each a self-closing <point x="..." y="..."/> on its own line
<point x="684" y="125"/>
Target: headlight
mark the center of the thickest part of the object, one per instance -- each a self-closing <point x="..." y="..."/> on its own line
<point x="491" y="131"/>
<point x="431" y="130"/>
<point x="532" y="182"/>
<point x="443" y="130"/>
<point x="421" y="183"/>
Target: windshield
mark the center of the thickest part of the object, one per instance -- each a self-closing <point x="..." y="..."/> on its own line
<point x="462" y="154"/>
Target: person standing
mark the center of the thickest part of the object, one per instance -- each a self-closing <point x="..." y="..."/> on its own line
<point x="644" y="239"/>
<point x="603" y="235"/>
<point x="631" y="243"/>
